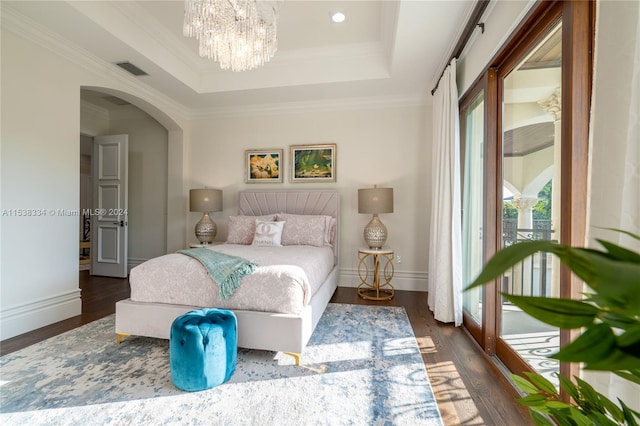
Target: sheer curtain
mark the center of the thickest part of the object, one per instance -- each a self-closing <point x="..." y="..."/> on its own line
<point x="614" y="172"/>
<point x="445" y="244"/>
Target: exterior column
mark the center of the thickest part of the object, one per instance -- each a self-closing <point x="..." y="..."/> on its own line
<point x="525" y="211"/>
<point x="522" y="280"/>
<point x="553" y="105"/>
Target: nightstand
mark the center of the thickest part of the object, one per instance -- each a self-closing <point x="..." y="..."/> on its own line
<point x="197" y="245"/>
<point x="375" y="283"/>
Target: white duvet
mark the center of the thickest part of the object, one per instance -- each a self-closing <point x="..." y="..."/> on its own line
<point x="284" y="281"/>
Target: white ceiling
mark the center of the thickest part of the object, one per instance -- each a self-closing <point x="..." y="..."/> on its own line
<point x="385" y="50"/>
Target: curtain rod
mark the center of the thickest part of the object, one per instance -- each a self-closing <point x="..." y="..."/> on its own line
<point x="472" y="23"/>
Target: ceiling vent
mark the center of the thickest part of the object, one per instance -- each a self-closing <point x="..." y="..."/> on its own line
<point x="128" y="66"/>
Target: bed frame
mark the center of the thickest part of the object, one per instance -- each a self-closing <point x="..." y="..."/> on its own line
<point x="256" y="330"/>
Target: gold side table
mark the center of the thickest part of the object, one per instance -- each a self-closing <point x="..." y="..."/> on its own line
<point x="375" y="284"/>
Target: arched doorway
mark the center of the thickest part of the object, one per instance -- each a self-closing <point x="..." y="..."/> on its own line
<point x="172" y="208"/>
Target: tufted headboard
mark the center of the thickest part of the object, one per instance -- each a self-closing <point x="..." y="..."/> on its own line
<point x="294" y="201"/>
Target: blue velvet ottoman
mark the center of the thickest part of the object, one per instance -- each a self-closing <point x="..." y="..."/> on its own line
<point x="203" y="345"/>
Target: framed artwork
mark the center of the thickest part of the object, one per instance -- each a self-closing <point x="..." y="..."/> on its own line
<point x="263" y="166"/>
<point x="313" y="163"/>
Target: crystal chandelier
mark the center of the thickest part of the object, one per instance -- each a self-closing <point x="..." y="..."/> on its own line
<point x="239" y="34"/>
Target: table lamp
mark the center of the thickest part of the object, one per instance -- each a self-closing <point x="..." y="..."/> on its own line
<point x="375" y="201"/>
<point x="205" y="200"/>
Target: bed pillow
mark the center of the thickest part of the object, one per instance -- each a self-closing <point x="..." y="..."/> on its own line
<point x="307" y="230"/>
<point x="242" y="228"/>
<point x="330" y="231"/>
<point x="268" y="233"/>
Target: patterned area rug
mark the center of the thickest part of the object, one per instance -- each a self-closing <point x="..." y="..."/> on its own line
<point x="361" y="367"/>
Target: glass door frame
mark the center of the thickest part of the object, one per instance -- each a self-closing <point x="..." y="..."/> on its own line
<point x="477" y="330"/>
<point x="577" y="40"/>
<point x="507" y="354"/>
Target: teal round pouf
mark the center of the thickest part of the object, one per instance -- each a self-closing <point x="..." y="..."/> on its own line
<point x="203" y="346"/>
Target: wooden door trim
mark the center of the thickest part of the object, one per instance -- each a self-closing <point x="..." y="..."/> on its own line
<point x="577" y="65"/>
<point x="547" y="16"/>
<point x="492" y="220"/>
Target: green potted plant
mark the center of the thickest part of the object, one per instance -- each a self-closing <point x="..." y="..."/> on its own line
<point x="608" y="317"/>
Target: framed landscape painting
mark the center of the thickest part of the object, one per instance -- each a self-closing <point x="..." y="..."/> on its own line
<point x="263" y="166"/>
<point x="313" y="163"/>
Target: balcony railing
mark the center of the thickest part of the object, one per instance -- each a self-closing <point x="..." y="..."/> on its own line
<point x="532" y="276"/>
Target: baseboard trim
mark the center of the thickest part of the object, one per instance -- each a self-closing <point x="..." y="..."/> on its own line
<point x="402" y="280"/>
<point x="30" y="316"/>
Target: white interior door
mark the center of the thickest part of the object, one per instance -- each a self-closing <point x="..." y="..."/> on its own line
<point x="109" y="219"/>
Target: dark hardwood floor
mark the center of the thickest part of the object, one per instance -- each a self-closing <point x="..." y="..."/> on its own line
<point x="469" y="388"/>
<point x="99" y="296"/>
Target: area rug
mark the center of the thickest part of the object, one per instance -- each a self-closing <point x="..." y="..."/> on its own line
<point x="362" y="366"/>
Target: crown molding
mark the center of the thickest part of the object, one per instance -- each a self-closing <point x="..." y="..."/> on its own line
<point x="344" y="104"/>
<point x="452" y="44"/>
<point x="388" y="28"/>
<point x="131" y="23"/>
<point x="145" y="35"/>
<point x="364" y="61"/>
<point x="32" y="31"/>
<point x="138" y="15"/>
<point x="476" y="34"/>
<point x="291" y="57"/>
<point x="120" y="80"/>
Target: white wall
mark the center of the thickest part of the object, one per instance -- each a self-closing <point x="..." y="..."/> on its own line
<point x="503" y="16"/>
<point x="40" y="170"/>
<point x="618" y="29"/>
<point x="615" y="152"/>
<point x="390" y="147"/>
<point x="40" y="125"/>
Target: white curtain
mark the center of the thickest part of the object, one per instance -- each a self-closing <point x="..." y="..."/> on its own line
<point x="445" y="244"/>
<point x="614" y="172"/>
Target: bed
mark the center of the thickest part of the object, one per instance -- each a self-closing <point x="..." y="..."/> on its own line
<point x="168" y="286"/>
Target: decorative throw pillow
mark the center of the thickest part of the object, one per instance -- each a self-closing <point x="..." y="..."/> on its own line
<point x="308" y="230"/>
<point x="242" y="228"/>
<point x="268" y="233"/>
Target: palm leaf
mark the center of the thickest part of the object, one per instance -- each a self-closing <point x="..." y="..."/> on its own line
<point x="562" y="313"/>
<point x="510" y="256"/>
<point x="596" y="344"/>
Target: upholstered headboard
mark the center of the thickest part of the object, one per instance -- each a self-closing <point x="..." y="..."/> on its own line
<point x="294" y="201"/>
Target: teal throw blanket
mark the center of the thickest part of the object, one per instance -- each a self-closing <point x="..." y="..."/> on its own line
<point x="225" y="270"/>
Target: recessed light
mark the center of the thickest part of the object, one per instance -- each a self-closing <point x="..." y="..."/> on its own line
<point x="338" y="17"/>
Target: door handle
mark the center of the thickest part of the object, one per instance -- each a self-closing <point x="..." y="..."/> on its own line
<point x="121" y="223"/>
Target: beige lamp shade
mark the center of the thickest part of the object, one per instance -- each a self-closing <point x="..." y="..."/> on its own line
<point x="374" y="201"/>
<point x="205" y="200"/>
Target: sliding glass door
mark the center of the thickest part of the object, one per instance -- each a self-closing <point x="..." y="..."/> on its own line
<point x="531" y="147"/>
<point x="524" y="135"/>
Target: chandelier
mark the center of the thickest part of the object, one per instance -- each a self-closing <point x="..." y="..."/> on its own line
<point x="238" y="34"/>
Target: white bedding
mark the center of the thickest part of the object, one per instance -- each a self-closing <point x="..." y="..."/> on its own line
<point x="284" y="282"/>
